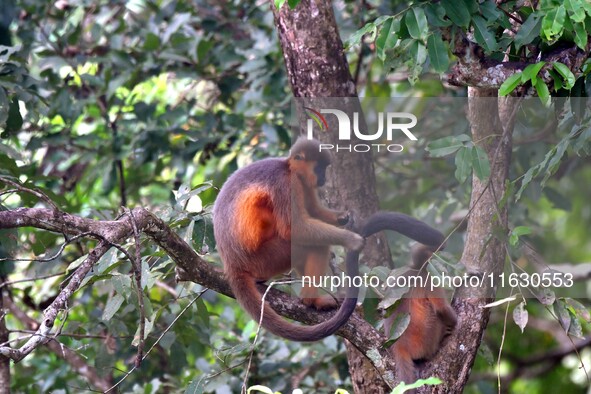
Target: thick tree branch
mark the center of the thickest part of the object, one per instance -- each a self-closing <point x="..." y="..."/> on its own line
<point x="473" y="69"/>
<point x="491" y="121"/>
<point x="357" y="331"/>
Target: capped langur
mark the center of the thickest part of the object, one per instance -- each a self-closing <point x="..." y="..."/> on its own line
<point x="268" y="218"/>
<point x="431" y="320"/>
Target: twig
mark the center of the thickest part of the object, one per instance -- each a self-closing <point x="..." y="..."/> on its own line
<point x="158" y="340"/>
<point x="78" y="363"/>
<point x="137" y="273"/>
<point x="42" y="335"/>
<point x="516" y="19"/>
<point x="56" y="255"/>
<point x="37" y="193"/>
<point x="501" y="347"/>
<point x="256" y="337"/>
<point x="12" y="282"/>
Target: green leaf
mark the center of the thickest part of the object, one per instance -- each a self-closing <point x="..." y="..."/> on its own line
<point x="510" y="84"/>
<point x="582" y="145"/>
<point x="556" y="154"/>
<point x="575" y="9"/>
<point x="562" y="314"/>
<point x="436" y="15"/>
<point x="565" y="72"/>
<point x="358" y="35"/>
<point x="418" y="53"/>
<point x="516" y="233"/>
<point x="397" y="57"/>
<point x="446" y="145"/>
<point x="480" y="163"/>
<point x="521" y="230"/>
<point x="151" y="42"/>
<point x="399" y="325"/>
<point x="483" y="35"/>
<point x="387" y="37"/>
<point x="463" y="164"/>
<point x="586" y="6"/>
<point x="293" y="3"/>
<point x="402" y="387"/>
<point x="575" y="329"/>
<point x="416" y="23"/>
<point x="490" y="11"/>
<point x="122" y="285"/>
<point x="112" y="307"/>
<point x="543" y="92"/>
<point x="471" y="6"/>
<point x="202" y="237"/>
<point x="203" y="49"/>
<point x="530" y="73"/>
<point x="557" y="80"/>
<point x="578" y="309"/>
<point x="581" y="35"/>
<point x="549" y="164"/>
<point x="553" y="23"/>
<point x="437" y="53"/>
<point x="529" y="31"/>
<point x="457" y="12"/>
<point x="15" y="119"/>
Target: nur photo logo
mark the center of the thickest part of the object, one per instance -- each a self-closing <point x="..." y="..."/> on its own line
<point x="389" y="125"/>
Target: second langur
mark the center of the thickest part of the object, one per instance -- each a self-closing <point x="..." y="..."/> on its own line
<point x="268" y="218"/>
<point x="431" y="320"/>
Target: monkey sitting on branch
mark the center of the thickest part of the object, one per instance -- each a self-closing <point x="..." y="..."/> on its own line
<point x="431" y="319"/>
<point x="268" y="218"/>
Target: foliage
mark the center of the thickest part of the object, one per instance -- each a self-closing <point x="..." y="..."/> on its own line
<point x="118" y="102"/>
<point x="402" y="388"/>
<point x="412" y="37"/>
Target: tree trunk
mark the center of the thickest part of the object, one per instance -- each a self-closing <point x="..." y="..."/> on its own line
<point x="317" y="67"/>
<point x="491" y="121"/>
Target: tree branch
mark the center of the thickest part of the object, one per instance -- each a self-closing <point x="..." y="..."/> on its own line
<point x="473" y="69"/>
<point x="536" y="365"/>
<point x="491" y="121"/>
<point x="44" y="333"/>
<point x="360" y="333"/>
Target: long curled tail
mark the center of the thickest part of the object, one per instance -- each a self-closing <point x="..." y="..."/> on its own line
<point x="248" y="295"/>
<point x="405" y="225"/>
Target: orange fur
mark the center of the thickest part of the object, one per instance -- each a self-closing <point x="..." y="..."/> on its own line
<point x="267" y="218"/>
<point x="256" y="223"/>
<point x="431" y="320"/>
